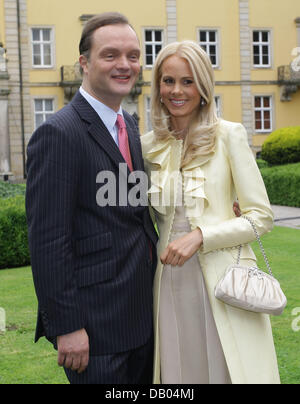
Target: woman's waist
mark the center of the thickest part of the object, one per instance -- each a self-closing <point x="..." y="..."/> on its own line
<point x="181" y="227"/>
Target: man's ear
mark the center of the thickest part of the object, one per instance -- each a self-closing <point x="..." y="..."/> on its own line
<point x="83" y="61"/>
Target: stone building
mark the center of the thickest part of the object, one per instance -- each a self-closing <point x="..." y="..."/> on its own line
<point x="254" y="46"/>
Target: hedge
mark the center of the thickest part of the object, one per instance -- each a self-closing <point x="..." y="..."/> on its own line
<point x="283" y="184"/>
<point x="14" y="251"/>
<point x="282" y="146"/>
<point x="262" y="163"/>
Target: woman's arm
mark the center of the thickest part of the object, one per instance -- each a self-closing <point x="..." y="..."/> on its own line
<point x="252" y="196"/>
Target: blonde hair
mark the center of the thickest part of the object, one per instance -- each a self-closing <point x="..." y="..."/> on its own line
<point x="201" y="138"/>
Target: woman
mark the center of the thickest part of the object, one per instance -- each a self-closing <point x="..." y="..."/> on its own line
<point x="198" y="166"/>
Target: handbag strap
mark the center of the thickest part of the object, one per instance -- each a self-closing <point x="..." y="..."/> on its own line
<point x="260" y="245"/>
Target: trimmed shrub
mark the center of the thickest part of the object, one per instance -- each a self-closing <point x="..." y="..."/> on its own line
<point x="262" y="163"/>
<point x="283" y="184"/>
<point x="14" y="251"/>
<point x="282" y="146"/>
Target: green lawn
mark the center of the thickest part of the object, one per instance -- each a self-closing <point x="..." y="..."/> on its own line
<point x="23" y="362"/>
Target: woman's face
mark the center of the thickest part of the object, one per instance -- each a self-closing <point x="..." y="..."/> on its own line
<point x="178" y="89"/>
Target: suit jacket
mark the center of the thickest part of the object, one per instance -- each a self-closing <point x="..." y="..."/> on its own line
<point x="92" y="266"/>
<point x="211" y="185"/>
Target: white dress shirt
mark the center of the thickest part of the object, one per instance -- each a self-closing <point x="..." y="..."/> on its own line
<point x="107" y="115"/>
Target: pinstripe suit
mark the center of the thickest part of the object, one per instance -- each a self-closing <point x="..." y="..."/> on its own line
<point x="91" y="265"/>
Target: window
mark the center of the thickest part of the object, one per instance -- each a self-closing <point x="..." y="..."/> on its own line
<point x="261" y="49"/>
<point x="42" y="47"/>
<point x="148" y="114"/>
<point x="209" y="42"/>
<point x="218" y="105"/>
<point x="153" y="45"/>
<point x="43" y="109"/>
<point x="263" y="113"/>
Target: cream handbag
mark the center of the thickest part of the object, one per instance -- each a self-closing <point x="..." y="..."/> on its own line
<point x="251" y="289"/>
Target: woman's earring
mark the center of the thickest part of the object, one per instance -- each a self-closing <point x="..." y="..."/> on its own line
<point x="203" y="102"/>
<point x="161" y="100"/>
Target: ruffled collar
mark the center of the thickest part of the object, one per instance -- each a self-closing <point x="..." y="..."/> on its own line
<point x="164" y="163"/>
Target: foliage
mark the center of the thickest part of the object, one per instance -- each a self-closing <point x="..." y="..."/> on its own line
<point x="8" y="190"/>
<point x="282" y="146"/>
<point x="262" y="163"/>
<point x="14" y="250"/>
<point x="283" y="184"/>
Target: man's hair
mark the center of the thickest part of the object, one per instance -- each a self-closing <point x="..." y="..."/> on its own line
<point x="98" y="21"/>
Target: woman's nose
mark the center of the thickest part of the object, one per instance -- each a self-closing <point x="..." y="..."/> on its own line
<point x="176" y="88"/>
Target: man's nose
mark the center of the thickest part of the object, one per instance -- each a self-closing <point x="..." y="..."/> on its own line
<point x="123" y="63"/>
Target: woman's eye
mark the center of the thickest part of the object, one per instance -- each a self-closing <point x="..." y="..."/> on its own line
<point x="168" y="81"/>
<point x="188" y="82"/>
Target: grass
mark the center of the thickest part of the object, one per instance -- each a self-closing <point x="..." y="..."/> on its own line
<point x="23" y="362"/>
<point x="282" y="246"/>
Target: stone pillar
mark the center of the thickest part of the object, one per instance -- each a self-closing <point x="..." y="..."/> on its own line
<point x="171" y="21"/>
<point x="14" y="110"/>
<point x="297" y="21"/>
<point x="4" y="131"/>
<point x="245" y="57"/>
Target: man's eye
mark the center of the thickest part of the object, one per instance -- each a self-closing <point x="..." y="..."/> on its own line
<point x="109" y="56"/>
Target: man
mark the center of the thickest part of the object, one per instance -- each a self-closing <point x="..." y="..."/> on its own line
<point x="93" y="265"/>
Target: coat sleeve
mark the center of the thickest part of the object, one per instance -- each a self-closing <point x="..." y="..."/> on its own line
<point x="52" y="167"/>
<point x="252" y="196"/>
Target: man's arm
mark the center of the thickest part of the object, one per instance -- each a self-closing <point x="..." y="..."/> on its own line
<point x="51" y="195"/>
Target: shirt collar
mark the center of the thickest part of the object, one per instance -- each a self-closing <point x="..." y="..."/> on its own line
<point x="108" y="115"/>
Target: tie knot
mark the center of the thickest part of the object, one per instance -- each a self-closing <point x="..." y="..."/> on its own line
<point x="120" y="122"/>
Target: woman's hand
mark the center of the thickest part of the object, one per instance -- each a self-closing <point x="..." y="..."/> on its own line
<point x="181" y="250"/>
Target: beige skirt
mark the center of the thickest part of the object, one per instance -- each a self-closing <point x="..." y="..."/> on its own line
<point x="190" y="348"/>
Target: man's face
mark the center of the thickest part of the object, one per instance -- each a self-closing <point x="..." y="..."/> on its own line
<point x="113" y="65"/>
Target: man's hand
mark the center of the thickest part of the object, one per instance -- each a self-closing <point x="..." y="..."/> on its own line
<point x="181" y="250"/>
<point x="237" y="209"/>
<point x="73" y="351"/>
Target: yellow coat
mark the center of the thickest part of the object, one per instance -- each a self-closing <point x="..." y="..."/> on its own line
<point x="211" y="185"/>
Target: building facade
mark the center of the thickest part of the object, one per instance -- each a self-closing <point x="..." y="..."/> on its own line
<point x="254" y="46"/>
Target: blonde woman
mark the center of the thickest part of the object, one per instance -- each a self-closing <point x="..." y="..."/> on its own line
<point x="198" y="165"/>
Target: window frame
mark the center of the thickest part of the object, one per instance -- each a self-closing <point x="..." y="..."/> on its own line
<point x="43" y="112"/>
<point x="260" y="44"/>
<point x="152" y="43"/>
<point x="41" y="43"/>
<point x="262" y="110"/>
<point x="208" y="42"/>
<point x="218" y="102"/>
<point x="147" y="111"/>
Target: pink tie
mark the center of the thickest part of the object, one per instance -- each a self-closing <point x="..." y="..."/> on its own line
<point x="123" y="141"/>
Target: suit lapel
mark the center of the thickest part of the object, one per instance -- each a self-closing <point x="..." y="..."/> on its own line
<point x="135" y="150"/>
<point x="96" y="129"/>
